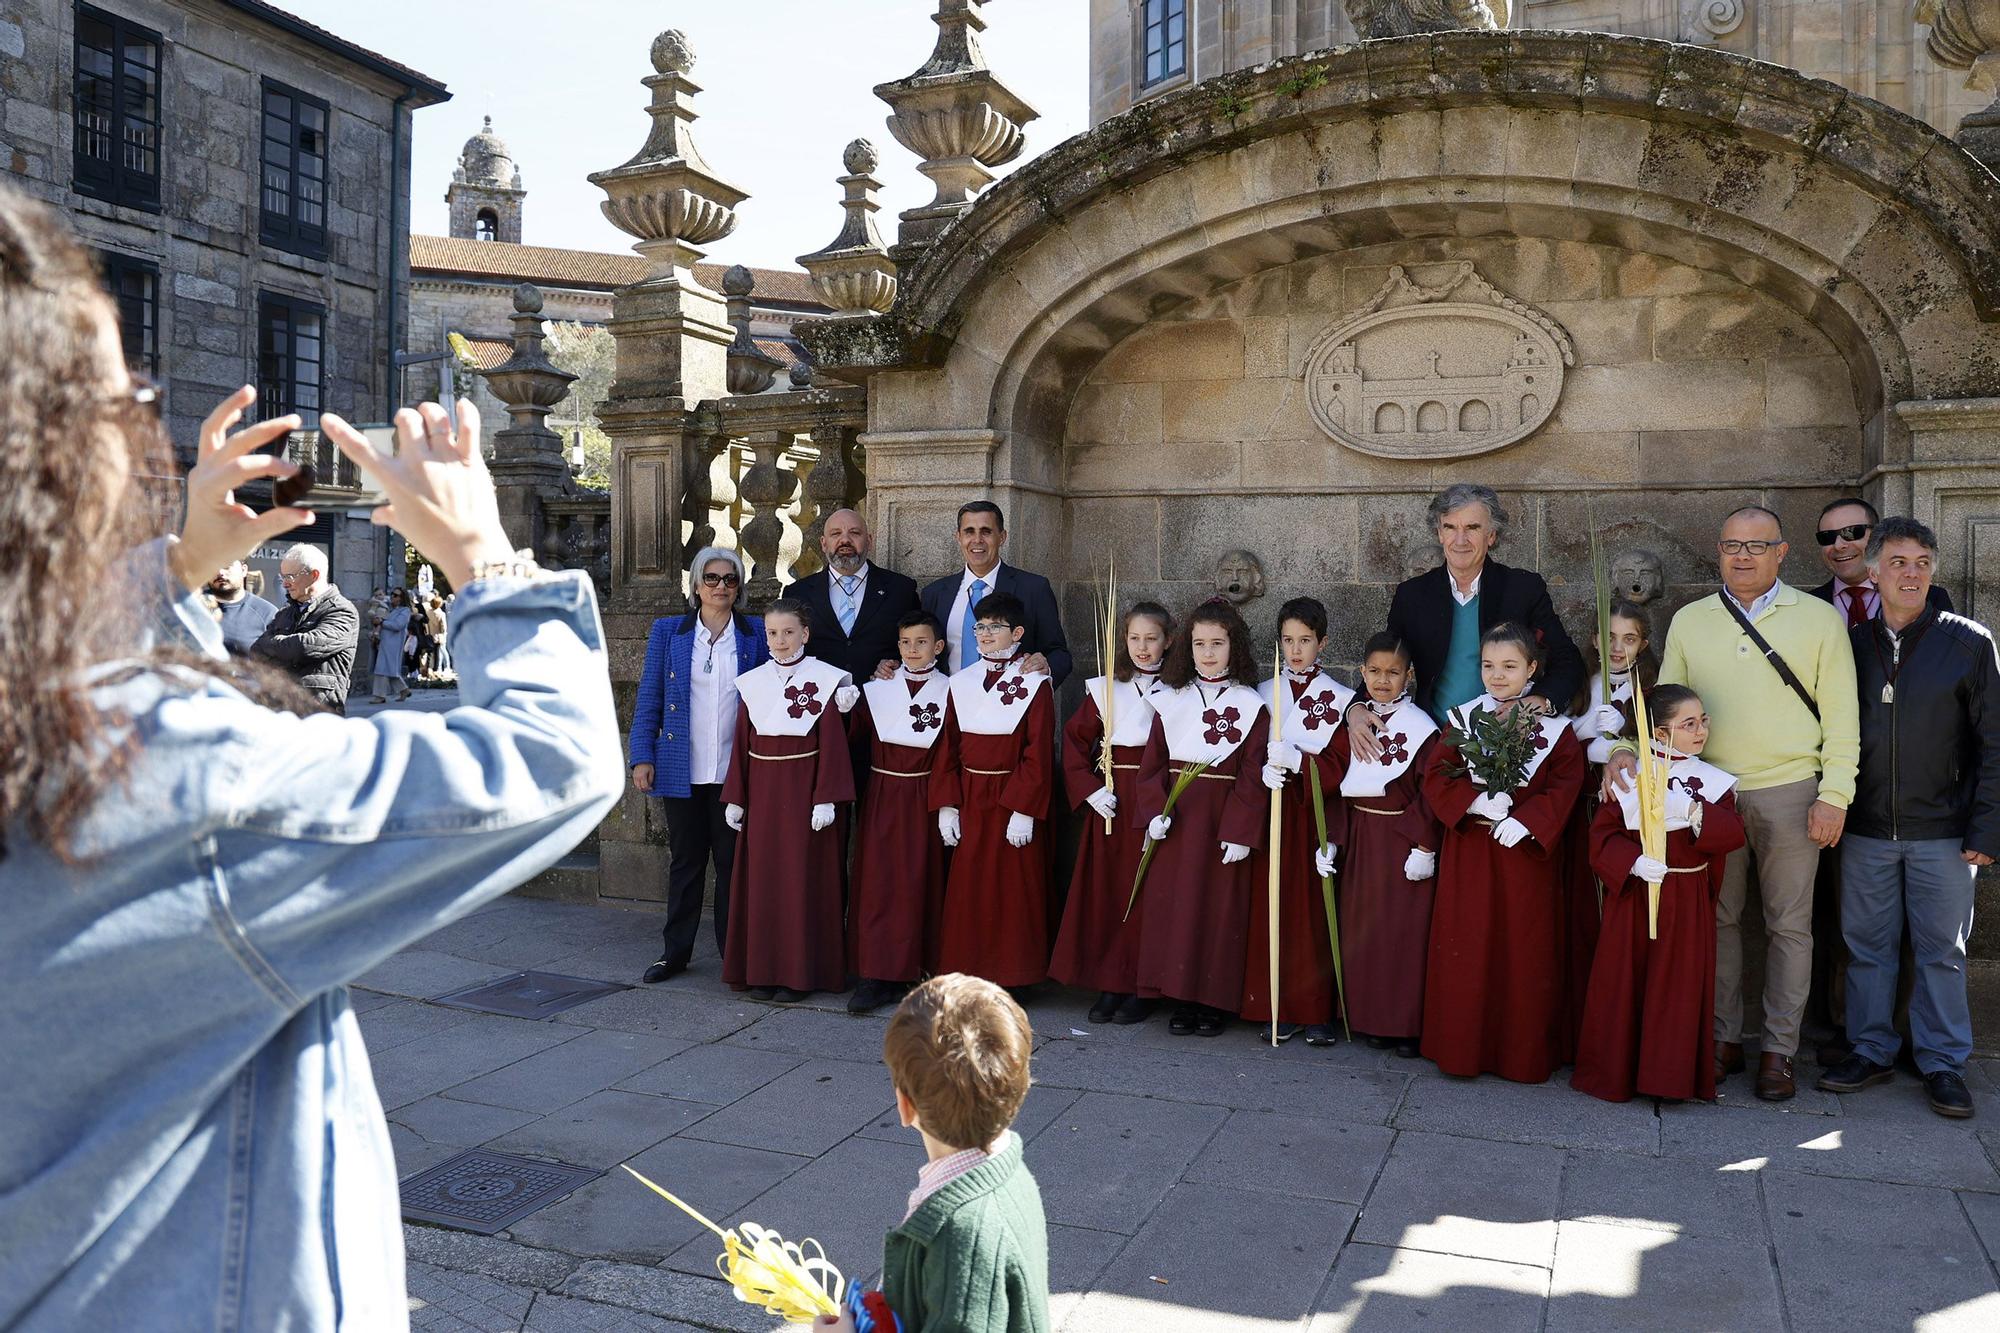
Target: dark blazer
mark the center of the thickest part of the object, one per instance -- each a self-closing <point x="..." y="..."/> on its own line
<point x="1940" y="599"/>
<point x="1044" y="628"/>
<point x="1421" y="611"/>
<point x="316" y="643"/>
<point x="886" y="599"/>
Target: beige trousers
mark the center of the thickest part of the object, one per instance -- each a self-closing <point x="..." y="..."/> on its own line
<point x="1784" y="860"/>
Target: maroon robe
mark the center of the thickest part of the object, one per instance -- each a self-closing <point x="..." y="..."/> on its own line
<point x="1491" y="987"/>
<point x="1580" y="922"/>
<point x="1192" y="941"/>
<point x="896" y="902"/>
<point x="1097" y="947"/>
<point x="995" y="922"/>
<point x="1649" y="1019"/>
<point x="785" y="889"/>
<point x="1385" y="918"/>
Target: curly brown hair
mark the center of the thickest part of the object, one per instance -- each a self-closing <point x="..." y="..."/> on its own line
<point x="1178" y="671"/>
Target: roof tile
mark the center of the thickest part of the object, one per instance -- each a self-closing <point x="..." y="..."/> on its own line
<point x="590" y="269"/>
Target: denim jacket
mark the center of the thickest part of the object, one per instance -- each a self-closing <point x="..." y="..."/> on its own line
<point x="190" y="1136"/>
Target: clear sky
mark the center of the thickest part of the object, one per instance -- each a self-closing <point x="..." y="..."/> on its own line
<point x="786" y="84"/>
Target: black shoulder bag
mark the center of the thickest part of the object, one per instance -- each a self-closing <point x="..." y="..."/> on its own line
<point x="1778" y="663"/>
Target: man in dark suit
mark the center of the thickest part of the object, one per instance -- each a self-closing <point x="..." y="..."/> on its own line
<point x="1844" y="528"/>
<point x="982" y="531"/>
<point x="1440" y="615"/>
<point x="855" y="603"/>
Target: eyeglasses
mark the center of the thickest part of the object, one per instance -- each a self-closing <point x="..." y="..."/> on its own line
<point x="1853" y="532"/>
<point x="1690" y="724"/>
<point x="719" y="580"/>
<point x="1734" y="547"/>
<point x="289" y="578"/>
<point x="990" y="627"/>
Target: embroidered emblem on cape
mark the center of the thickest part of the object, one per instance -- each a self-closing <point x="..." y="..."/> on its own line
<point x="1690" y="785"/>
<point x="1541" y="739"/>
<point x="1221" y="726"/>
<point x="1012" y="689"/>
<point x="803" y="699"/>
<point x="924" y="717"/>
<point x="1317" y="709"/>
<point x="1395" y="749"/>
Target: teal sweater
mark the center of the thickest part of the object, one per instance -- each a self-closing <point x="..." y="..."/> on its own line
<point x="1460" y="679"/>
<point x="974" y="1257"/>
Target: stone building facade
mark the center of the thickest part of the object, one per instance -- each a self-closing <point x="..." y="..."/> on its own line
<point x="245" y="178"/>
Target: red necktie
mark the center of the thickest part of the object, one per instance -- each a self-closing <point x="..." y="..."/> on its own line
<point x="993" y="675"/>
<point x="1857" y="606"/>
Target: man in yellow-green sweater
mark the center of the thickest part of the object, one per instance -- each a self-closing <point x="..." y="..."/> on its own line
<point x="1794" y="771"/>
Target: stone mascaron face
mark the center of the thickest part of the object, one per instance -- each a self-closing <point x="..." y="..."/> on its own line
<point x="1239" y="578"/>
<point x="1637" y="575"/>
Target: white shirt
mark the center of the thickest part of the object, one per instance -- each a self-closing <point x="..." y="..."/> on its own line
<point x="1871" y="601"/>
<point x="955" y="622"/>
<point x="840" y="600"/>
<point x="1464" y="598"/>
<point x="1763" y="602"/>
<point x="712" y="703"/>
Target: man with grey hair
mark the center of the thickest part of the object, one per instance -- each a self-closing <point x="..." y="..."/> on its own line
<point x="315" y="633"/>
<point x="1441" y="614"/>
<point x="1925" y="818"/>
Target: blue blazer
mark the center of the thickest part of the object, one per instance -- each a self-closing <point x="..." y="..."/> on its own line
<point x="1044" y="628"/>
<point x="659" y="714"/>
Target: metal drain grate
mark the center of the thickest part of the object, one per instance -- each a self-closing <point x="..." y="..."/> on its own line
<point x="529" y="994"/>
<point x="487" y="1192"/>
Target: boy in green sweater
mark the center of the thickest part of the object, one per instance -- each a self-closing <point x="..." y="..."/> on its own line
<point x="972" y="1253"/>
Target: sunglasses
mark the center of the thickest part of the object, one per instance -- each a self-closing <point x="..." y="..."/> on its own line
<point x="718" y="580"/>
<point x="1853" y="532"/>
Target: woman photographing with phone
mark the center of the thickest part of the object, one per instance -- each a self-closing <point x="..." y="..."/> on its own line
<point x="170" y="826"/>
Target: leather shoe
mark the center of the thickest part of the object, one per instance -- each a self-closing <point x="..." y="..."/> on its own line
<point x="761" y="992"/>
<point x="1853" y="1074"/>
<point x="1949" y="1096"/>
<point x="1728" y="1059"/>
<point x="661" y="971"/>
<point x="1106" y="1006"/>
<point x="1322" y="1034"/>
<point x="1774" y="1078"/>
<point x="870" y="995"/>
<point x="1133" y="1009"/>
<point x="1184" y="1020"/>
<point x="786" y="995"/>
<point x="1212" y="1022"/>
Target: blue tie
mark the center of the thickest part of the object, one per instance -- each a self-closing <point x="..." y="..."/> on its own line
<point x="968" y="643"/>
<point x="848" y="607"/>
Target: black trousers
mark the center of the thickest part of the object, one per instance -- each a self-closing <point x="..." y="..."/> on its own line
<point x="697" y="835"/>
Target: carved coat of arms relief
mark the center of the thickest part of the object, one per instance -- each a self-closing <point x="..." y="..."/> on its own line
<point x="1437" y="371"/>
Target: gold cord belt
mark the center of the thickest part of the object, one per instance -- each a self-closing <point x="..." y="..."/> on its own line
<point x="990" y="772"/>
<point x="899" y="773"/>
<point x="1371" y="810"/>
<point x="776" y="758"/>
<point x="1219" y="777"/>
<point x="1686" y="870"/>
<point x="1125" y="768"/>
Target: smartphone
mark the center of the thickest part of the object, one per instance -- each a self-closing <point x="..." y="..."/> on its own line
<point x="367" y="494"/>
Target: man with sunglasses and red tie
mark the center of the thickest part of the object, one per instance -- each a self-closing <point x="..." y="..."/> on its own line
<point x="1844" y="529"/>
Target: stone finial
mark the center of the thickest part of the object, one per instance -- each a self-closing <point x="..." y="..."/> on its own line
<point x="1965" y="34"/>
<point x="854" y="274"/>
<point x="955" y="115"/>
<point x="666" y="195"/>
<point x="750" y="370"/>
<point x="529" y="384"/>
<point x="528" y="299"/>
<point x="801" y="375"/>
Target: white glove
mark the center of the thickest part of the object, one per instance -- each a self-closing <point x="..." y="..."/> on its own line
<point x="1598" y="749"/>
<point x="1158" y="828"/>
<point x="1282" y="754"/>
<point x="1419" y="865"/>
<point x="1607" y="720"/>
<point x="732" y="815"/>
<point x="1628" y="805"/>
<point x="948" y="825"/>
<point x="1646" y="868"/>
<point x="845" y="697"/>
<point x="822" y="817"/>
<point x="1509" y="831"/>
<point x="1680" y="806"/>
<point x="1232" y="852"/>
<point x="1104" y="801"/>
<point x="1274" y="777"/>
<point x="1491" y="805"/>
<point x="1020" y="829"/>
<point x="1323" y="859"/>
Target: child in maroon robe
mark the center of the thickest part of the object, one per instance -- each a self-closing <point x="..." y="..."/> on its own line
<point x="1491" y="987"/>
<point x="1388" y="840"/>
<point x="1309" y="713"/>
<point x="897" y="896"/>
<point x="788" y="773"/>
<point x="1198" y="887"/>
<point x="1648" y="1023"/>
<point x="1097" y="947"/>
<point x="992" y="778"/>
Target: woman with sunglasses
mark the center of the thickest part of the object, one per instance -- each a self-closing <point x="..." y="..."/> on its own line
<point x="683" y="726"/>
<point x="195" y="862"/>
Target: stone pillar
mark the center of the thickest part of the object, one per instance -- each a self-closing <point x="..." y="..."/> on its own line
<point x="1965" y="34"/>
<point x="1952" y="483"/>
<point x="853" y="274"/>
<point x="768" y="488"/>
<point x="828" y="488"/>
<point x="750" y="370"/>
<point x="528" y="458"/>
<point x="958" y="117"/>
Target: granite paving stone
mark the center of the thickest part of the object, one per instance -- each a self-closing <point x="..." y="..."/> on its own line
<point x="817" y="1033"/>
<point x="665" y="1013"/>
<point x="1221" y="1253"/>
<point x="1549" y="1113"/>
<point x="1315" y="1159"/>
<point x="1245" y="1041"/>
<point x="805" y="1111"/>
<point x="552" y="1079"/>
<point x="1662" y="1193"/>
<point x="1199" y="1072"/>
<point x="616" y="1217"/>
<point x="1107" y="1160"/>
<point x="1851" y="1252"/>
<point x="1077" y="1255"/>
<point x="397" y="1021"/>
<point x="626" y="959"/>
<point x="441" y="1119"/>
<point x="502" y="1260"/>
<point x="423" y="974"/>
<point x="603" y="1129"/>
<point x="1983" y="1211"/>
<point x="566" y="1314"/>
<point x="445" y="1301"/>
<point x="1918" y="1150"/>
<point x="704" y="1301"/>
<point x="480" y="1045"/>
<point x="1041" y="1106"/>
<point x="1468" y="1197"/>
<point x="1612" y="1277"/>
<point x="414" y="1153"/>
<point x="716" y="1073"/>
<point x="1380" y="1289"/>
<point x="364" y="1001"/>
